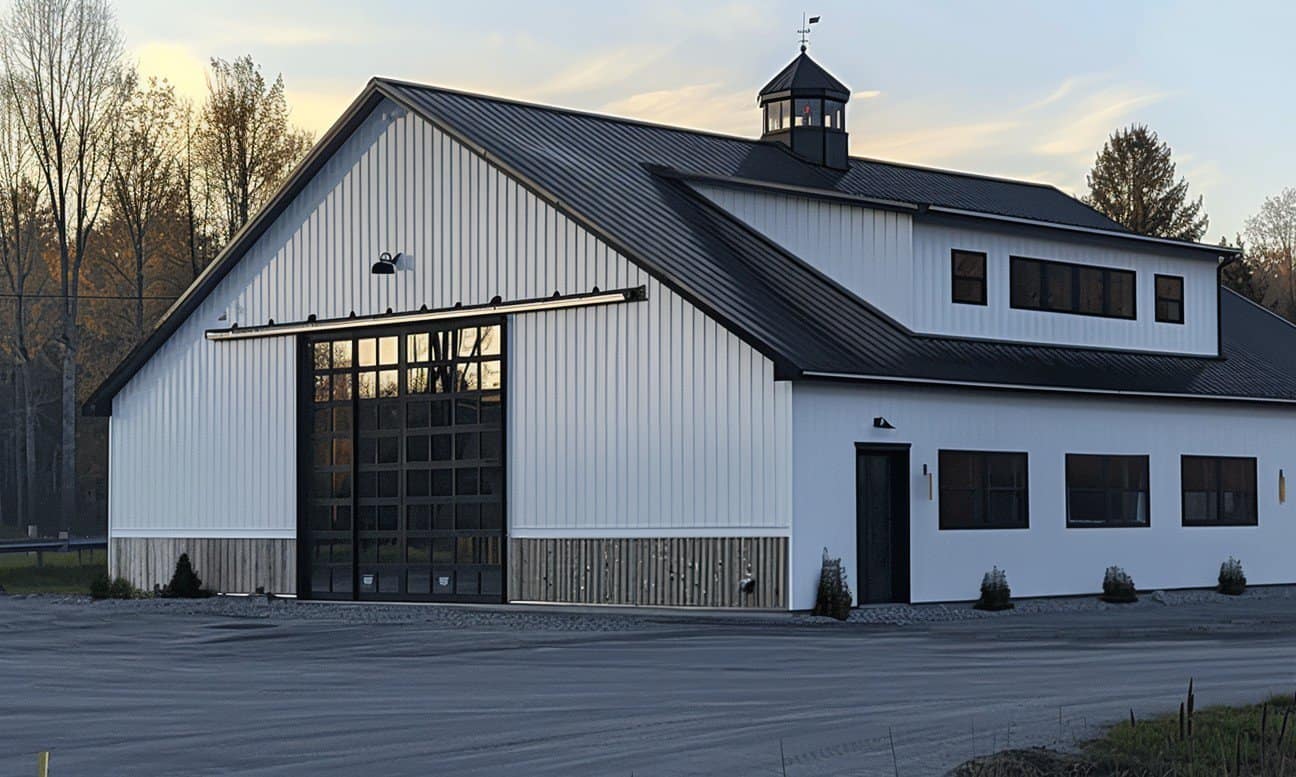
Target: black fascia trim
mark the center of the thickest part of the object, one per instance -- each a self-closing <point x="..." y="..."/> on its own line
<point x="784" y="367"/>
<point x="1035" y="389"/>
<point x="804" y="93"/>
<point x="1068" y="233"/>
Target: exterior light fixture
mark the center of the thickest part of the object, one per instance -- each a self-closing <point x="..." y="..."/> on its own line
<point x="386" y="264"/>
<point x="881" y="423"/>
<point x="1282" y="487"/>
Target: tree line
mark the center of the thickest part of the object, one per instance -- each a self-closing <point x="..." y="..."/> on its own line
<point x="115" y="193"/>
<point x="1135" y="183"/>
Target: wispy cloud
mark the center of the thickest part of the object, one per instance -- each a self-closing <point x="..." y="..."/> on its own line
<point x="1049" y="137"/>
<point x="704" y="106"/>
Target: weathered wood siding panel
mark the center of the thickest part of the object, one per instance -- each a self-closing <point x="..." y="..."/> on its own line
<point x="650" y="571"/>
<point x="226" y="565"/>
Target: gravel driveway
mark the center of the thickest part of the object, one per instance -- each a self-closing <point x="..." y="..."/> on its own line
<point x="250" y="687"/>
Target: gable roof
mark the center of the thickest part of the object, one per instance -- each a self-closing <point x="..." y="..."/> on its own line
<point x="608" y="175"/>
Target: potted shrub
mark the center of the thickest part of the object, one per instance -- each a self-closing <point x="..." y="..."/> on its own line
<point x="185" y="583"/>
<point x="995" y="593"/>
<point x="833" y="599"/>
<point x="1118" y="587"/>
<point x="1232" y="580"/>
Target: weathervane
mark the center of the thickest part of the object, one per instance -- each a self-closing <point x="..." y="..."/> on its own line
<point x="804" y="32"/>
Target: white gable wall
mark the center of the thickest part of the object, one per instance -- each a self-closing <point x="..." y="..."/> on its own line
<point x="870" y="252"/>
<point x="902" y="267"/>
<point x="642" y="418"/>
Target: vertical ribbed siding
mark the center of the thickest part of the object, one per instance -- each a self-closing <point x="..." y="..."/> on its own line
<point x="226" y="565"/>
<point x="935" y="313"/>
<point x="870" y="252"/>
<point x="651" y="571"/>
<point x="640" y="416"/>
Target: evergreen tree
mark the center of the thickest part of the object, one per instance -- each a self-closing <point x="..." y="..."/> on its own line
<point x="1133" y="183"/>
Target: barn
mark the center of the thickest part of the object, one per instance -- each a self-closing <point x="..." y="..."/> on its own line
<point x="480" y="350"/>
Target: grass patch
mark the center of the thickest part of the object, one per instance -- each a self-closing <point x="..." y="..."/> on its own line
<point x="1257" y="740"/>
<point x="61" y="573"/>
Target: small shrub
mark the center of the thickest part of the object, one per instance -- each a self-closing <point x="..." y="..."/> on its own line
<point x="185" y="583"/>
<point x="834" y="597"/>
<point x="120" y="588"/>
<point x="100" y="586"/>
<point x="995" y="592"/>
<point x="1232" y="580"/>
<point x="1118" y="587"/>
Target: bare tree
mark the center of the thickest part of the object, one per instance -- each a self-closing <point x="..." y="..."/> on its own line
<point x="195" y="189"/>
<point x="246" y="145"/>
<point x="143" y="180"/>
<point x="1271" y="241"/>
<point x="21" y="241"/>
<point x="62" y="63"/>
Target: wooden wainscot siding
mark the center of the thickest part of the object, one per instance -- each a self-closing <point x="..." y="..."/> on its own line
<point x="650" y="571"/>
<point x="226" y="565"/>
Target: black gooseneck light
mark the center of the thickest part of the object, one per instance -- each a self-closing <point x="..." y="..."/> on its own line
<point x="386" y="264"/>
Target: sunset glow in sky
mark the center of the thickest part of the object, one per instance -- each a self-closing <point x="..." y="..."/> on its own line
<point x="1018" y="89"/>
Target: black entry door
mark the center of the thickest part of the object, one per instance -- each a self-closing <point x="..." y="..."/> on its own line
<point x="403" y="490"/>
<point x="882" y="524"/>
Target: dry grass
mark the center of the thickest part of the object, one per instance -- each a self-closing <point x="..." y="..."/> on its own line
<point x="1251" y="741"/>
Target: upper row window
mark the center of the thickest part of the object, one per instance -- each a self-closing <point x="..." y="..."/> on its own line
<point x="969" y="277"/>
<point x="1169" y="299"/>
<point x="1061" y="287"/>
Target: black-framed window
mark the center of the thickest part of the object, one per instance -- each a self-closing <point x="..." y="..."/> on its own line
<point x="834" y="114"/>
<point x="778" y="115"/>
<point x="983" y="490"/>
<point x="968" y="281"/>
<point x="1169" y="299"/>
<point x="1106" y="491"/>
<point x="807" y="112"/>
<point x="1062" y="287"/>
<point x="1218" y="490"/>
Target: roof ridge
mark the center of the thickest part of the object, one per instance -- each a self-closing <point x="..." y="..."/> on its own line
<point x="630" y="120"/>
<point x="581" y="112"/>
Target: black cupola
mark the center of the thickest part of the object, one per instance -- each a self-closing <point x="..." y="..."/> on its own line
<point x="804" y="107"/>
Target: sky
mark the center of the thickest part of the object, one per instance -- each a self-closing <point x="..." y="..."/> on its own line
<point x="1016" y="89"/>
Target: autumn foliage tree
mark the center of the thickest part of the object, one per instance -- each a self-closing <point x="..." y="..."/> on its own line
<point x="115" y="193"/>
<point x="1133" y="182"/>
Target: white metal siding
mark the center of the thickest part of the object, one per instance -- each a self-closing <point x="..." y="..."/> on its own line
<point x="869" y="252"/>
<point x="643" y="417"/>
<point x="1047" y="558"/>
<point x="935" y="313"/>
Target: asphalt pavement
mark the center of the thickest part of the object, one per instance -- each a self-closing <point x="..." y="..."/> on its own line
<point x="154" y="691"/>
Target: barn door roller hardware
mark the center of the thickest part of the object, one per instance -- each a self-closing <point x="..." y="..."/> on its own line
<point x="494" y="307"/>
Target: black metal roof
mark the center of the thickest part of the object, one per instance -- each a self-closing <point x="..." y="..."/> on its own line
<point x="627" y="182"/>
<point x="803" y="77"/>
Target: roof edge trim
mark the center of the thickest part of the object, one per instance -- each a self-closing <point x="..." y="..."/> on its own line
<point x="801" y="191"/>
<point x="1215" y="251"/>
<point x="844" y="376"/>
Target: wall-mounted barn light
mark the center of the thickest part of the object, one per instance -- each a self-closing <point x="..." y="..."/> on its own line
<point x="386" y="264"/>
<point x="881" y="423"/>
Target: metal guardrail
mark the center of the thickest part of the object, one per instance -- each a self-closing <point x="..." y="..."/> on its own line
<point x="54" y="546"/>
